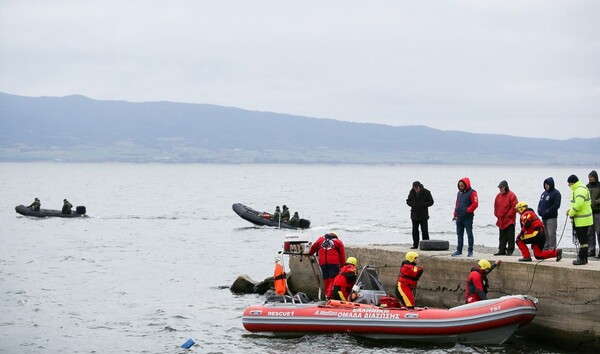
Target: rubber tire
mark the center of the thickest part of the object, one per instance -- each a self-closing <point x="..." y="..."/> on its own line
<point x="434" y="245"/>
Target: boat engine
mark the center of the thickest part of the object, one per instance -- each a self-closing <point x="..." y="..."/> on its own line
<point x="80" y="210"/>
<point x="295" y="245"/>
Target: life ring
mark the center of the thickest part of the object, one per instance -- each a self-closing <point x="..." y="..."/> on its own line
<point x="434" y="245"/>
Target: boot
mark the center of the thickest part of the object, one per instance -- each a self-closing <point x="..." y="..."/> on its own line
<point x="558" y="254"/>
<point x="591" y="253"/>
<point x="581" y="257"/>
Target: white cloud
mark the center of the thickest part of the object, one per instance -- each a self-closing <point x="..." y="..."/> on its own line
<point x="511" y="67"/>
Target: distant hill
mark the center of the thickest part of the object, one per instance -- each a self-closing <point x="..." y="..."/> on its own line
<point x="77" y="128"/>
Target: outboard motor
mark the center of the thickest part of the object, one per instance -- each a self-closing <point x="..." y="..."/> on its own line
<point x="295" y="245"/>
<point x="80" y="210"/>
<point x="304" y="224"/>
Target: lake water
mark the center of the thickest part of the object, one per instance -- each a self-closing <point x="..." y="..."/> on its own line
<point x="152" y="264"/>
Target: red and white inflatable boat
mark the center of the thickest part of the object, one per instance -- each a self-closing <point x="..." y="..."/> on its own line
<point x="484" y="322"/>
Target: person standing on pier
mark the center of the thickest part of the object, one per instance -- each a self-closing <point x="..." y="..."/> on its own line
<point x="580" y="212"/>
<point x="419" y="199"/>
<point x="548" y="210"/>
<point x="464" y="211"/>
<point x="594" y="230"/>
<point x="506" y="215"/>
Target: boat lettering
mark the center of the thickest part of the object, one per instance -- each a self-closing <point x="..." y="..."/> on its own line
<point x="326" y="313"/>
<point x="393" y="316"/>
<point x="371" y="310"/>
<point x="280" y="313"/>
<point x="411" y="315"/>
<point x="349" y="314"/>
<point x="495" y="308"/>
<point x="256" y="312"/>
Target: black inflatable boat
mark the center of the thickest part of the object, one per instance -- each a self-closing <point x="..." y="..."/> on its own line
<point x="262" y="218"/>
<point x="44" y="213"/>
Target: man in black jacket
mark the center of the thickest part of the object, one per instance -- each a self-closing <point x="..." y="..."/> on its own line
<point x="419" y="199"/>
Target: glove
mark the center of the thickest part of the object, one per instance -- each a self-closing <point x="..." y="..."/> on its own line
<point x="356" y="288"/>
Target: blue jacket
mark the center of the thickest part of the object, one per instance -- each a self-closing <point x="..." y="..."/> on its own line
<point x="549" y="201"/>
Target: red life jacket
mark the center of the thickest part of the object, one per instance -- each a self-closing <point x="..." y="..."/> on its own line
<point x="344" y="281"/>
<point x="409" y="273"/>
<point x="531" y="225"/>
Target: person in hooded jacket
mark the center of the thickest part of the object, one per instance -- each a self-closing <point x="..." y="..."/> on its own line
<point x="548" y="210"/>
<point x="407" y="280"/>
<point x="419" y="199"/>
<point x="477" y="282"/>
<point x="295" y="220"/>
<point x="345" y="280"/>
<point x="66" y="209"/>
<point x="285" y="215"/>
<point x="506" y="218"/>
<point x="276" y="216"/>
<point x="464" y="211"/>
<point x="580" y="212"/>
<point x="532" y="233"/>
<point x="594" y="230"/>
<point x="36" y="205"/>
<point x="332" y="254"/>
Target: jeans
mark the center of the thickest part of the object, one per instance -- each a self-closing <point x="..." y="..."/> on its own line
<point x="461" y="226"/>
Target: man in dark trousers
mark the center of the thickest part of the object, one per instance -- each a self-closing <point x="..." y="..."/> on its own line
<point x="419" y="199"/>
<point x="332" y="255"/>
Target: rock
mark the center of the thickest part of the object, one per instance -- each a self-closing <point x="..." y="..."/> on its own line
<point x="243" y="285"/>
<point x="264" y="286"/>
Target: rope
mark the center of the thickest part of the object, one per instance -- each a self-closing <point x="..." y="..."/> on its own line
<point x="532" y="277"/>
<point x="562" y="233"/>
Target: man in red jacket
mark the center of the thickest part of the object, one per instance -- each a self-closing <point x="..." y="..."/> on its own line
<point x="332" y="254"/>
<point x="345" y="280"/>
<point x="506" y="215"/>
<point x="407" y="280"/>
<point x="477" y="282"/>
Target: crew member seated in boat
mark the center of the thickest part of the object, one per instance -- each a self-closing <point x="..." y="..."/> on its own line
<point x="285" y="215"/>
<point x="331" y="253"/>
<point x="532" y="233"/>
<point x="345" y="280"/>
<point x="66" y="209"/>
<point x="407" y="280"/>
<point x="295" y="220"/>
<point x="277" y="214"/>
<point x="477" y="282"/>
<point x="36" y="205"/>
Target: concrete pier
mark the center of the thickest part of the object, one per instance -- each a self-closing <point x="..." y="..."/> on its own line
<point x="569" y="296"/>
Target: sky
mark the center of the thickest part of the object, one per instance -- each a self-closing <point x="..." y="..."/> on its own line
<point x="522" y="68"/>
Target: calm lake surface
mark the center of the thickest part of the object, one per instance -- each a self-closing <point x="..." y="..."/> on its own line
<point x="152" y="264"/>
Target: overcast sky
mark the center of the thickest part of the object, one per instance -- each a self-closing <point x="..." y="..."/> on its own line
<point x="524" y="68"/>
